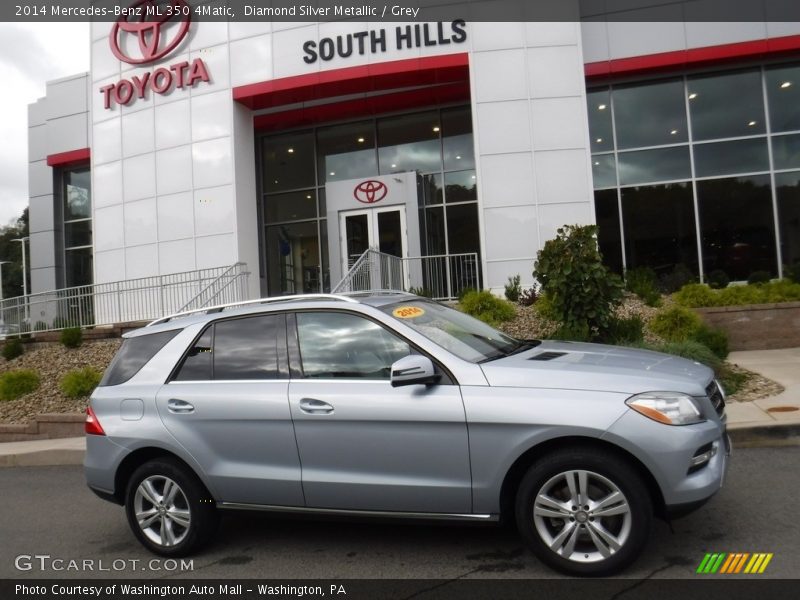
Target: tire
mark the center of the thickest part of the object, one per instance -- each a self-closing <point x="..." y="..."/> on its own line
<point x="177" y="515"/>
<point x="560" y="530"/>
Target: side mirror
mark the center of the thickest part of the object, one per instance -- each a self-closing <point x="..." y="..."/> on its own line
<point x="412" y="370"/>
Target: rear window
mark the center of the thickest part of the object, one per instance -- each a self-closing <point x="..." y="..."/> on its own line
<point x="133" y="355"/>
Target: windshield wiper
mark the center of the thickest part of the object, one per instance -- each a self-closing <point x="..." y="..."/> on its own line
<point x="523" y="346"/>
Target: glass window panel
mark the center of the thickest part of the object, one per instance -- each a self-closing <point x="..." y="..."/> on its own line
<point x="323" y="207"/>
<point x="726" y="158"/>
<point x="786" y="151"/>
<point x="462" y="228"/>
<point x="410" y="143"/>
<point x="390" y="233"/>
<point x="598" y="104"/>
<point x="783" y="95"/>
<point x="247" y="348"/>
<point x="457" y="143"/>
<point x="659" y="227"/>
<point x="432" y="191"/>
<point x="288" y="161"/>
<point x="135" y="353"/>
<point x="787" y="189"/>
<point x="736" y="225"/>
<point x="326" y="269"/>
<point x="346" y="152"/>
<point x="645" y="166"/>
<point x="78" y="267"/>
<point x="77" y="233"/>
<point x="460" y="186"/>
<point x="726" y="105"/>
<point x="77" y="194"/>
<point x="338" y="345"/>
<point x="651" y="114"/>
<point x="434" y="232"/>
<point x="197" y="364"/>
<point x="604" y="170"/>
<point x="292" y="206"/>
<point x="606" y="210"/>
<point x="356" y="231"/>
<point x="293" y="261"/>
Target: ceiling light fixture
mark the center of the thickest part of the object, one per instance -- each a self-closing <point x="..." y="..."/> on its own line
<point x="673" y="132"/>
<point x="601" y="107"/>
<point x="333" y="172"/>
<point x="751" y="123"/>
<point x="599" y="140"/>
<point x="291" y="150"/>
<point x="361" y="140"/>
<point x="692" y="96"/>
<point x="436" y="128"/>
<point x="786" y="84"/>
<point x="458" y="158"/>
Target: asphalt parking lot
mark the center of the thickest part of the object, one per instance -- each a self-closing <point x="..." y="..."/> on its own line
<point x="49" y="511"/>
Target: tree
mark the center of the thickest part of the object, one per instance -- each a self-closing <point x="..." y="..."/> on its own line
<point x="11" y="251"/>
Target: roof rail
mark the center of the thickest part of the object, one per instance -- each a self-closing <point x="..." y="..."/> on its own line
<point x="221" y="307"/>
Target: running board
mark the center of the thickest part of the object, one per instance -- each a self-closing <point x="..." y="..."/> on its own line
<point x="483" y="518"/>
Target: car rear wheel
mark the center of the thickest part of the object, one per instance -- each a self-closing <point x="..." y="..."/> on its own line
<point x="168" y="509"/>
<point x="584" y="512"/>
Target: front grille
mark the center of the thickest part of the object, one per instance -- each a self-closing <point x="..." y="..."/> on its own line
<point x="714" y="394"/>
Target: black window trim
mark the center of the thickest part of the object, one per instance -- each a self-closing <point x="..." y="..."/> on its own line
<point x="283" y="355"/>
<point x="296" y="363"/>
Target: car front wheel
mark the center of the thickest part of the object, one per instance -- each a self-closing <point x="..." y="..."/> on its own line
<point x="168" y="508"/>
<point x="584" y="512"/>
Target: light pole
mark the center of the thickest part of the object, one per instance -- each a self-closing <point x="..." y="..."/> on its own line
<point x="22" y="241"/>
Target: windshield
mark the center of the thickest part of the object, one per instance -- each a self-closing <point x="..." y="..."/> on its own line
<point x="466" y="337"/>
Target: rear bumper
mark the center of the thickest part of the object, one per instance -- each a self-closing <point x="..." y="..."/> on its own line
<point x="100" y="465"/>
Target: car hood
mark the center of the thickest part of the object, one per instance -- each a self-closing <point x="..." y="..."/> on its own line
<point x="579" y="366"/>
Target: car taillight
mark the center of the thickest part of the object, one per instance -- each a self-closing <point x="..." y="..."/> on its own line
<point x="92" y="425"/>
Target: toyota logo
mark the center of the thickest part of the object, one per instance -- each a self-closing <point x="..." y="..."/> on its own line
<point x="148" y="32"/>
<point x="370" y="191"/>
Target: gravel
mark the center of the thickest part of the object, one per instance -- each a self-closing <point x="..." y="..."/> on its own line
<point x="52" y="361"/>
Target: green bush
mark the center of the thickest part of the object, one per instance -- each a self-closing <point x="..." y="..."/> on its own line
<point x="487" y="307"/>
<point x="673" y="281"/>
<point x="545" y="309"/>
<point x="572" y="333"/>
<point x="675" y="324"/>
<point x="14" y="384"/>
<point x="583" y="291"/>
<point x="714" y="339"/>
<point x="718" y="279"/>
<point x="759" y="277"/>
<point x="693" y="351"/>
<point x="695" y="295"/>
<point x="513" y="288"/>
<point x="464" y="291"/>
<point x="13" y="348"/>
<point x="528" y="297"/>
<point x="80" y="383"/>
<point x="643" y="281"/>
<point x="624" y="332"/>
<point x="737" y="295"/>
<point x="72" y="337"/>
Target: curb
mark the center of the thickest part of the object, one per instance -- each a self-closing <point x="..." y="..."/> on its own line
<point x="43" y="458"/>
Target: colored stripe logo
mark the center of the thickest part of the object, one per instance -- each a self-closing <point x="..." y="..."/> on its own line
<point x="734" y="563"/>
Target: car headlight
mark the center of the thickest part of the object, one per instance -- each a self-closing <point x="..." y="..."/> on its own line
<point x="671" y="408"/>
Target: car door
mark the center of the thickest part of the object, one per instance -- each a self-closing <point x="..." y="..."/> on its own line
<point x="363" y="444"/>
<point x="226" y="404"/>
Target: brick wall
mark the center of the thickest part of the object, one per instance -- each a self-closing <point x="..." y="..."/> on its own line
<point x="757" y="326"/>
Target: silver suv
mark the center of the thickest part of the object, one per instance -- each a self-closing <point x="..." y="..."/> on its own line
<point x="387" y="404"/>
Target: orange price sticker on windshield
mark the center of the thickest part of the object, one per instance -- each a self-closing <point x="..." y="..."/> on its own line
<point x="408" y="312"/>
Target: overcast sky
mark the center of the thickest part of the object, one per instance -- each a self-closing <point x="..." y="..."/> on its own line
<point x="30" y="55"/>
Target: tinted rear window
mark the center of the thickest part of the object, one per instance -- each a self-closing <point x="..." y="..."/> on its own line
<point x="133" y="355"/>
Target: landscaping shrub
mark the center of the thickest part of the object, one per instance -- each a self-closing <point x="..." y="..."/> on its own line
<point x="420" y="291"/>
<point x="487" y="307"/>
<point x="675" y="324"/>
<point x="583" y="291"/>
<point x="643" y="281"/>
<point x="693" y="351"/>
<point x="513" y="288"/>
<point x="464" y="292"/>
<point x="695" y="295"/>
<point x="572" y="333"/>
<point x="676" y="279"/>
<point x="759" y="277"/>
<point x="80" y="383"/>
<point x="14" y="384"/>
<point x="718" y="279"/>
<point x="714" y="339"/>
<point x="737" y="295"/>
<point x="13" y="348"/>
<point x="528" y="297"/>
<point x="623" y="332"/>
<point x="544" y="308"/>
<point x="72" y="337"/>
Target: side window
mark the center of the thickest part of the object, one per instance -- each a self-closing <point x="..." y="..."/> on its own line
<point x="135" y="353"/>
<point x="236" y="349"/>
<point x="340" y="345"/>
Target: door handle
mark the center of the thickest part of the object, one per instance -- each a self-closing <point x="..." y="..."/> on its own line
<point x="313" y="406"/>
<point x="179" y="407"/>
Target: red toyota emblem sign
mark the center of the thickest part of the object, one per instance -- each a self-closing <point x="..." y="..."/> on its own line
<point x="148" y="19"/>
<point x="370" y="191"/>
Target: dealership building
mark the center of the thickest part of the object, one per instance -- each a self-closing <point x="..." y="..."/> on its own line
<point x="293" y="147"/>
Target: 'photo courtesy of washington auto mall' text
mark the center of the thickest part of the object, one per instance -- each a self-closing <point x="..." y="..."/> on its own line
<point x="408" y="299"/>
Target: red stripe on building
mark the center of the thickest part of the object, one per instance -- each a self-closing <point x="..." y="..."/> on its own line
<point x="693" y="57"/>
<point x="65" y="159"/>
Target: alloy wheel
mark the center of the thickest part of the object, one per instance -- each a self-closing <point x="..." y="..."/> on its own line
<point x="162" y="510"/>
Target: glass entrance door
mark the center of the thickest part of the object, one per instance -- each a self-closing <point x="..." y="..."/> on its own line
<point x="383" y="229"/>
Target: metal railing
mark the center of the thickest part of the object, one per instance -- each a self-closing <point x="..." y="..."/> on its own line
<point x="441" y="277"/>
<point x="142" y="299"/>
